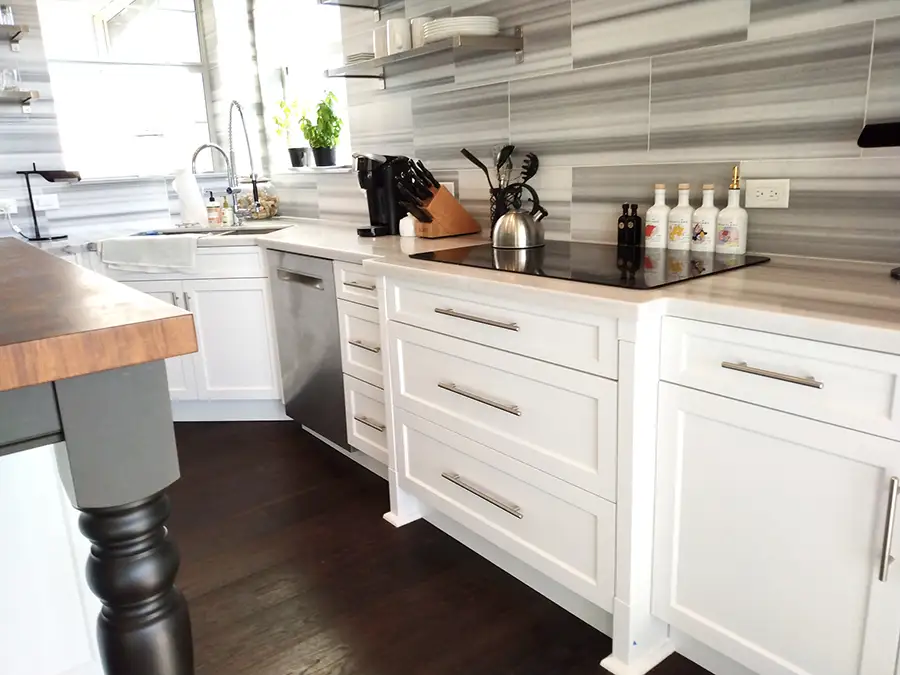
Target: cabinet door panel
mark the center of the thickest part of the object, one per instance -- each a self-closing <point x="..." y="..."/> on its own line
<point x="180" y="370"/>
<point x="769" y="533"/>
<point x="235" y="335"/>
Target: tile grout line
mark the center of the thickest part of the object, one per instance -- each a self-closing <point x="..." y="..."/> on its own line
<point x="649" y="101"/>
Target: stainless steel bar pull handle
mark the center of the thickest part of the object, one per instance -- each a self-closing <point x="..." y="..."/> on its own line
<point x="363" y="345"/>
<point x="187" y="302"/>
<point x="886" y="558"/>
<point x="476" y="319"/>
<point x="505" y="407"/>
<point x="456" y="479"/>
<point x="372" y="424"/>
<point x="742" y="367"/>
<point x="361" y="286"/>
<point x="305" y="279"/>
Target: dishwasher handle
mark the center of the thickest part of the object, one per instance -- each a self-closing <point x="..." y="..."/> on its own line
<point x="305" y="279"/>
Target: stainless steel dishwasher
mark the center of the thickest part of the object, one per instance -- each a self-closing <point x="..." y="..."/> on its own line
<point x="309" y="343"/>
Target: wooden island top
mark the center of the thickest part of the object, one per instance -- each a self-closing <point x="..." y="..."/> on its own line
<point x="58" y="320"/>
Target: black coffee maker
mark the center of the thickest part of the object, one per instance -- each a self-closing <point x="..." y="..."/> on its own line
<point x="376" y="177"/>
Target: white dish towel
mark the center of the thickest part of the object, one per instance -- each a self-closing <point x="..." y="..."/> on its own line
<point x="152" y="253"/>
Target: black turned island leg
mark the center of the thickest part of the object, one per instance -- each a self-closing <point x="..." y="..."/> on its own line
<point x="143" y="627"/>
<point x="119" y="457"/>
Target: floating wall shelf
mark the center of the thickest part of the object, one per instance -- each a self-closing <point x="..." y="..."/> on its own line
<point x="371" y="5"/>
<point x="23" y="98"/>
<point x="374" y="68"/>
<point x="12" y="35"/>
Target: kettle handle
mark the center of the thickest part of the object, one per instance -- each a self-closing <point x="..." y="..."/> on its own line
<point x="537" y="211"/>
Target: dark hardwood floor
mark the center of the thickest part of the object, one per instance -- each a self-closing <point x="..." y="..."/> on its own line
<point x="289" y="569"/>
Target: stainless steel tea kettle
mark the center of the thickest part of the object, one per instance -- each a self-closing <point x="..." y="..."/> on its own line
<point x="519" y="228"/>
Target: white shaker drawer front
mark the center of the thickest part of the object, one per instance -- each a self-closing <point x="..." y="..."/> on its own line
<point x="848" y="387"/>
<point x="564" y="532"/>
<point x="360" y="342"/>
<point x="366" y="418"/>
<point x="355" y="285"/>
<point x="555" y="419"/>
<point x="587" y="343"/>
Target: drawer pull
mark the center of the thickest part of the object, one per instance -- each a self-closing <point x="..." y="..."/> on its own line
<point x="793" y="379"/>
<point x="511" y="409"/>
<point x="477" y="319"/>
<point x="363" y="345"/>
<point x="360" y="286"/>
<point x="456" y="479"/>
<point x="886" y="558"/>
<point x="372" y="424"/>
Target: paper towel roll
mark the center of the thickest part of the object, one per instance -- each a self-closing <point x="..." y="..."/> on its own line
<point x="193" y="211"/>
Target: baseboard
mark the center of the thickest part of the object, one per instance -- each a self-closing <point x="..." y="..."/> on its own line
<point x="570" y="601"/>
<point x="702" y="655"/>
<point x="228" y="411"/>
<point x="360" y="458"/>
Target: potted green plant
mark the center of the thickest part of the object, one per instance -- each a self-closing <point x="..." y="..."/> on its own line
<point x="323" y="135"/>
<point x="287" y="125"/>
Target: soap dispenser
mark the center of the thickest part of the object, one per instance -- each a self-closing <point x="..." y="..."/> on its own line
<point x="731" y="226"/>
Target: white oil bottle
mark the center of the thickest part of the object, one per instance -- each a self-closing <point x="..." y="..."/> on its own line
<point x="731" y="226"/>
<point x="680" y="220"/>
<point x="704" y="222"/>
<point x="656" y="223"/>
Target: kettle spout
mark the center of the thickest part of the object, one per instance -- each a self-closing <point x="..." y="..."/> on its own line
<point x="541" y="214"/>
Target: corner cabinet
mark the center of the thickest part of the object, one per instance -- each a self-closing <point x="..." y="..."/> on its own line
<point x="770" y="536"/>
<point x="236" y="358"/>
<point x="180" y="370"/>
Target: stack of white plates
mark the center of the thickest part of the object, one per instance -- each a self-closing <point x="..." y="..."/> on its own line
<point x="361" y="56"/>
<point x="441" y="29"/>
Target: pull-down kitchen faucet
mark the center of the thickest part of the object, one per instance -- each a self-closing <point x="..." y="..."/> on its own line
<point x="234" y="186"/>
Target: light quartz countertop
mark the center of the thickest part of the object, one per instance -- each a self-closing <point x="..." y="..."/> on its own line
<point x="851" y="303"/>
<point x="339" y="241"/>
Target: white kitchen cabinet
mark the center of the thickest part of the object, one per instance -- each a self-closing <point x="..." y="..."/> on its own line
<point x="236" y="339"/>
<point x="180" y="370"/>
<point x="770" y="534"/>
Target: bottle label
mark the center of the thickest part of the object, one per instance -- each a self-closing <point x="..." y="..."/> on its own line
<point x="652" y="228"/>
<point x="729" y="235"/>
<point x="678" y="229"/>
<point x="702" y="231"/>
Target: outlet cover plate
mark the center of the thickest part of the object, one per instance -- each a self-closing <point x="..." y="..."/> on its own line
<point x="9" y="206"/>
<point x="772" y="193"/>
<point x="48" y="202"/>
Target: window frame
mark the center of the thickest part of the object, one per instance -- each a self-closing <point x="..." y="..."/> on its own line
<point x="100" y="20"/>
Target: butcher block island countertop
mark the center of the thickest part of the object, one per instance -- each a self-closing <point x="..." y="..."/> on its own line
<point x="58" y="320"/>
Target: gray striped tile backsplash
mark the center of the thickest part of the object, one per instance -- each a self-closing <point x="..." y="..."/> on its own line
<point x="634" y="92"/>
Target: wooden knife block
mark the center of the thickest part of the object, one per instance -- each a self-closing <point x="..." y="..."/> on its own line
<point x="449" y="217"/>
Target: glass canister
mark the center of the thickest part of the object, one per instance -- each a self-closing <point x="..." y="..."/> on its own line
<point x="268" y="198"/>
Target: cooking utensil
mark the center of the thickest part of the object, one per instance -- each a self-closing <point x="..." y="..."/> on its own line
<point x="477" y="162"/>
<point x="416" y="212"/>
<point x="529" y="167"/>
<point x="504" y="155"/>
<point x="409" y="195"/>
<point x="428" y="175"/>
<point x="517" y="228"/>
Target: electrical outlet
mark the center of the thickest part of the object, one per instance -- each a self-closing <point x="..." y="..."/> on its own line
<point x="9" y="206"/>
<point x="46" y="202"/>
<point x="768" y="194"/>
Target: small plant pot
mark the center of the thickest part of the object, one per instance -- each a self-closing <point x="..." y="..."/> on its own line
<point x="299" y="157"/>
<point x="325" y="156"/>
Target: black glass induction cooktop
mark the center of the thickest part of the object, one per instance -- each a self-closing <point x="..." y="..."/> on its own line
<point x="623" y="266"/>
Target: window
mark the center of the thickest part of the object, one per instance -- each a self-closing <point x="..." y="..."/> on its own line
<point x="128" y="84"/>
<point x="296" y="68"/>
